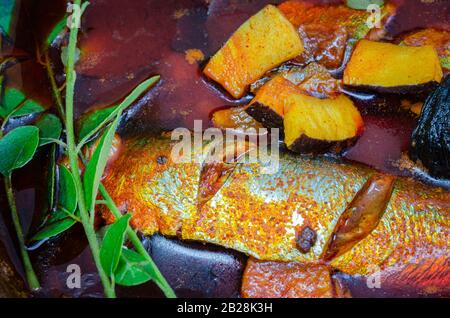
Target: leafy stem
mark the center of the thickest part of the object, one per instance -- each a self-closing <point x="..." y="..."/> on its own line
<point x="56" y="141"/>
<point x="119" y="109"/>
<point x="73" y="158"/>
<point x="31" y="276"/>
<point x="133" y="237"/>
<point x="78" y="190"/>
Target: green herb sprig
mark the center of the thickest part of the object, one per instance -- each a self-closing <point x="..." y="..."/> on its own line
<point x="115" y="263"/>
<point x="18" y="147"/>
<point x="77" y="193"/>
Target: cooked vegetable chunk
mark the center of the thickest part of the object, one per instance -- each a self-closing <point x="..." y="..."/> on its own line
<point x="313" y="125"/>
<point x="439" y="39"/>
<point x="234" y="118"/>
<point x="269" y="103"/>
<point x="266" y="40"/>
<point x="288" y="280"/>
<point x="431" y="138"/>
<point x="325" y="29"/>
<point x="393" y="68"/>
<point x="314" y="79"/>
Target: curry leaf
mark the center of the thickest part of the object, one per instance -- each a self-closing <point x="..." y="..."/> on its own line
<point x="111" y="248"/>
<point x="130" y="99"/>
<point x="133" y="269"/>
<point x="6" y="14"/>
<point x="56" y="31"/>
<point x="28" y="107"/>
<point x="54" y="229"/>
<point x="17" y="148"/>
<point x="97" y="164"/>
<point x="363" y="4"/>
<point x="11" y="99"/>
<point x="50" y="127"/>
<point x="93" y="120"/>
<point x="56" y="216"/>
<point x="15" y="104"/>
<point x="67" y="190"/>
<point x="51" y="177"/>
<point x="60" y="214"/>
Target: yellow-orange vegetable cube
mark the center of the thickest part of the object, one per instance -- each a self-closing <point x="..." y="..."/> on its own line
<point x="263" y="42"/>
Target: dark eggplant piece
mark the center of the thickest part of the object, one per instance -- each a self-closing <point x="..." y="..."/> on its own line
<point x="431" y="138"/>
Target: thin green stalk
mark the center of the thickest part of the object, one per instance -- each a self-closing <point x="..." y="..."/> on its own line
<point x="160" y="280"/>
<point x="55" y="90"/>
<point x="56" y="141"/>
<point x="33" y="282"/>
<point x="70" y="215"/>
<point x="73" y="158"/>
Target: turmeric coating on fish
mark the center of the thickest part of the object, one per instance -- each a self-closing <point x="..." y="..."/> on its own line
<point x="263" y="215"/>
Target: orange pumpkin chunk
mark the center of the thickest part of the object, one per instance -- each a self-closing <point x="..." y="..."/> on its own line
<point x="314" y="124"/>
<point x="263" y="42"/>
<point x="377" y="64"/>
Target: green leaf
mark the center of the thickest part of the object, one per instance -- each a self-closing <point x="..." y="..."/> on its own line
<point x="54" y="229"/>
<point x="56" y="216"/>
<point x="17" y="148"/>
<point x="60" y="214"/>
<point x="64" y="216"/>
<point x="57" y="29"/>
<point x="133" y="269"/>
<point x="6" y="15"/>
<point x="50" y="127"/>
<point x="28" y="107"/>
<point x="363" y="4"/>
<point x="11" y="99"/>
<point x="96" y="166"/>
<point x="111" y="248"/>
<point x="92" y="120"/>
<point x="67" y="190"/>
<point x="130" y="99"/>
<point x="15" y="104"/>
<point x="51" y="175"/>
